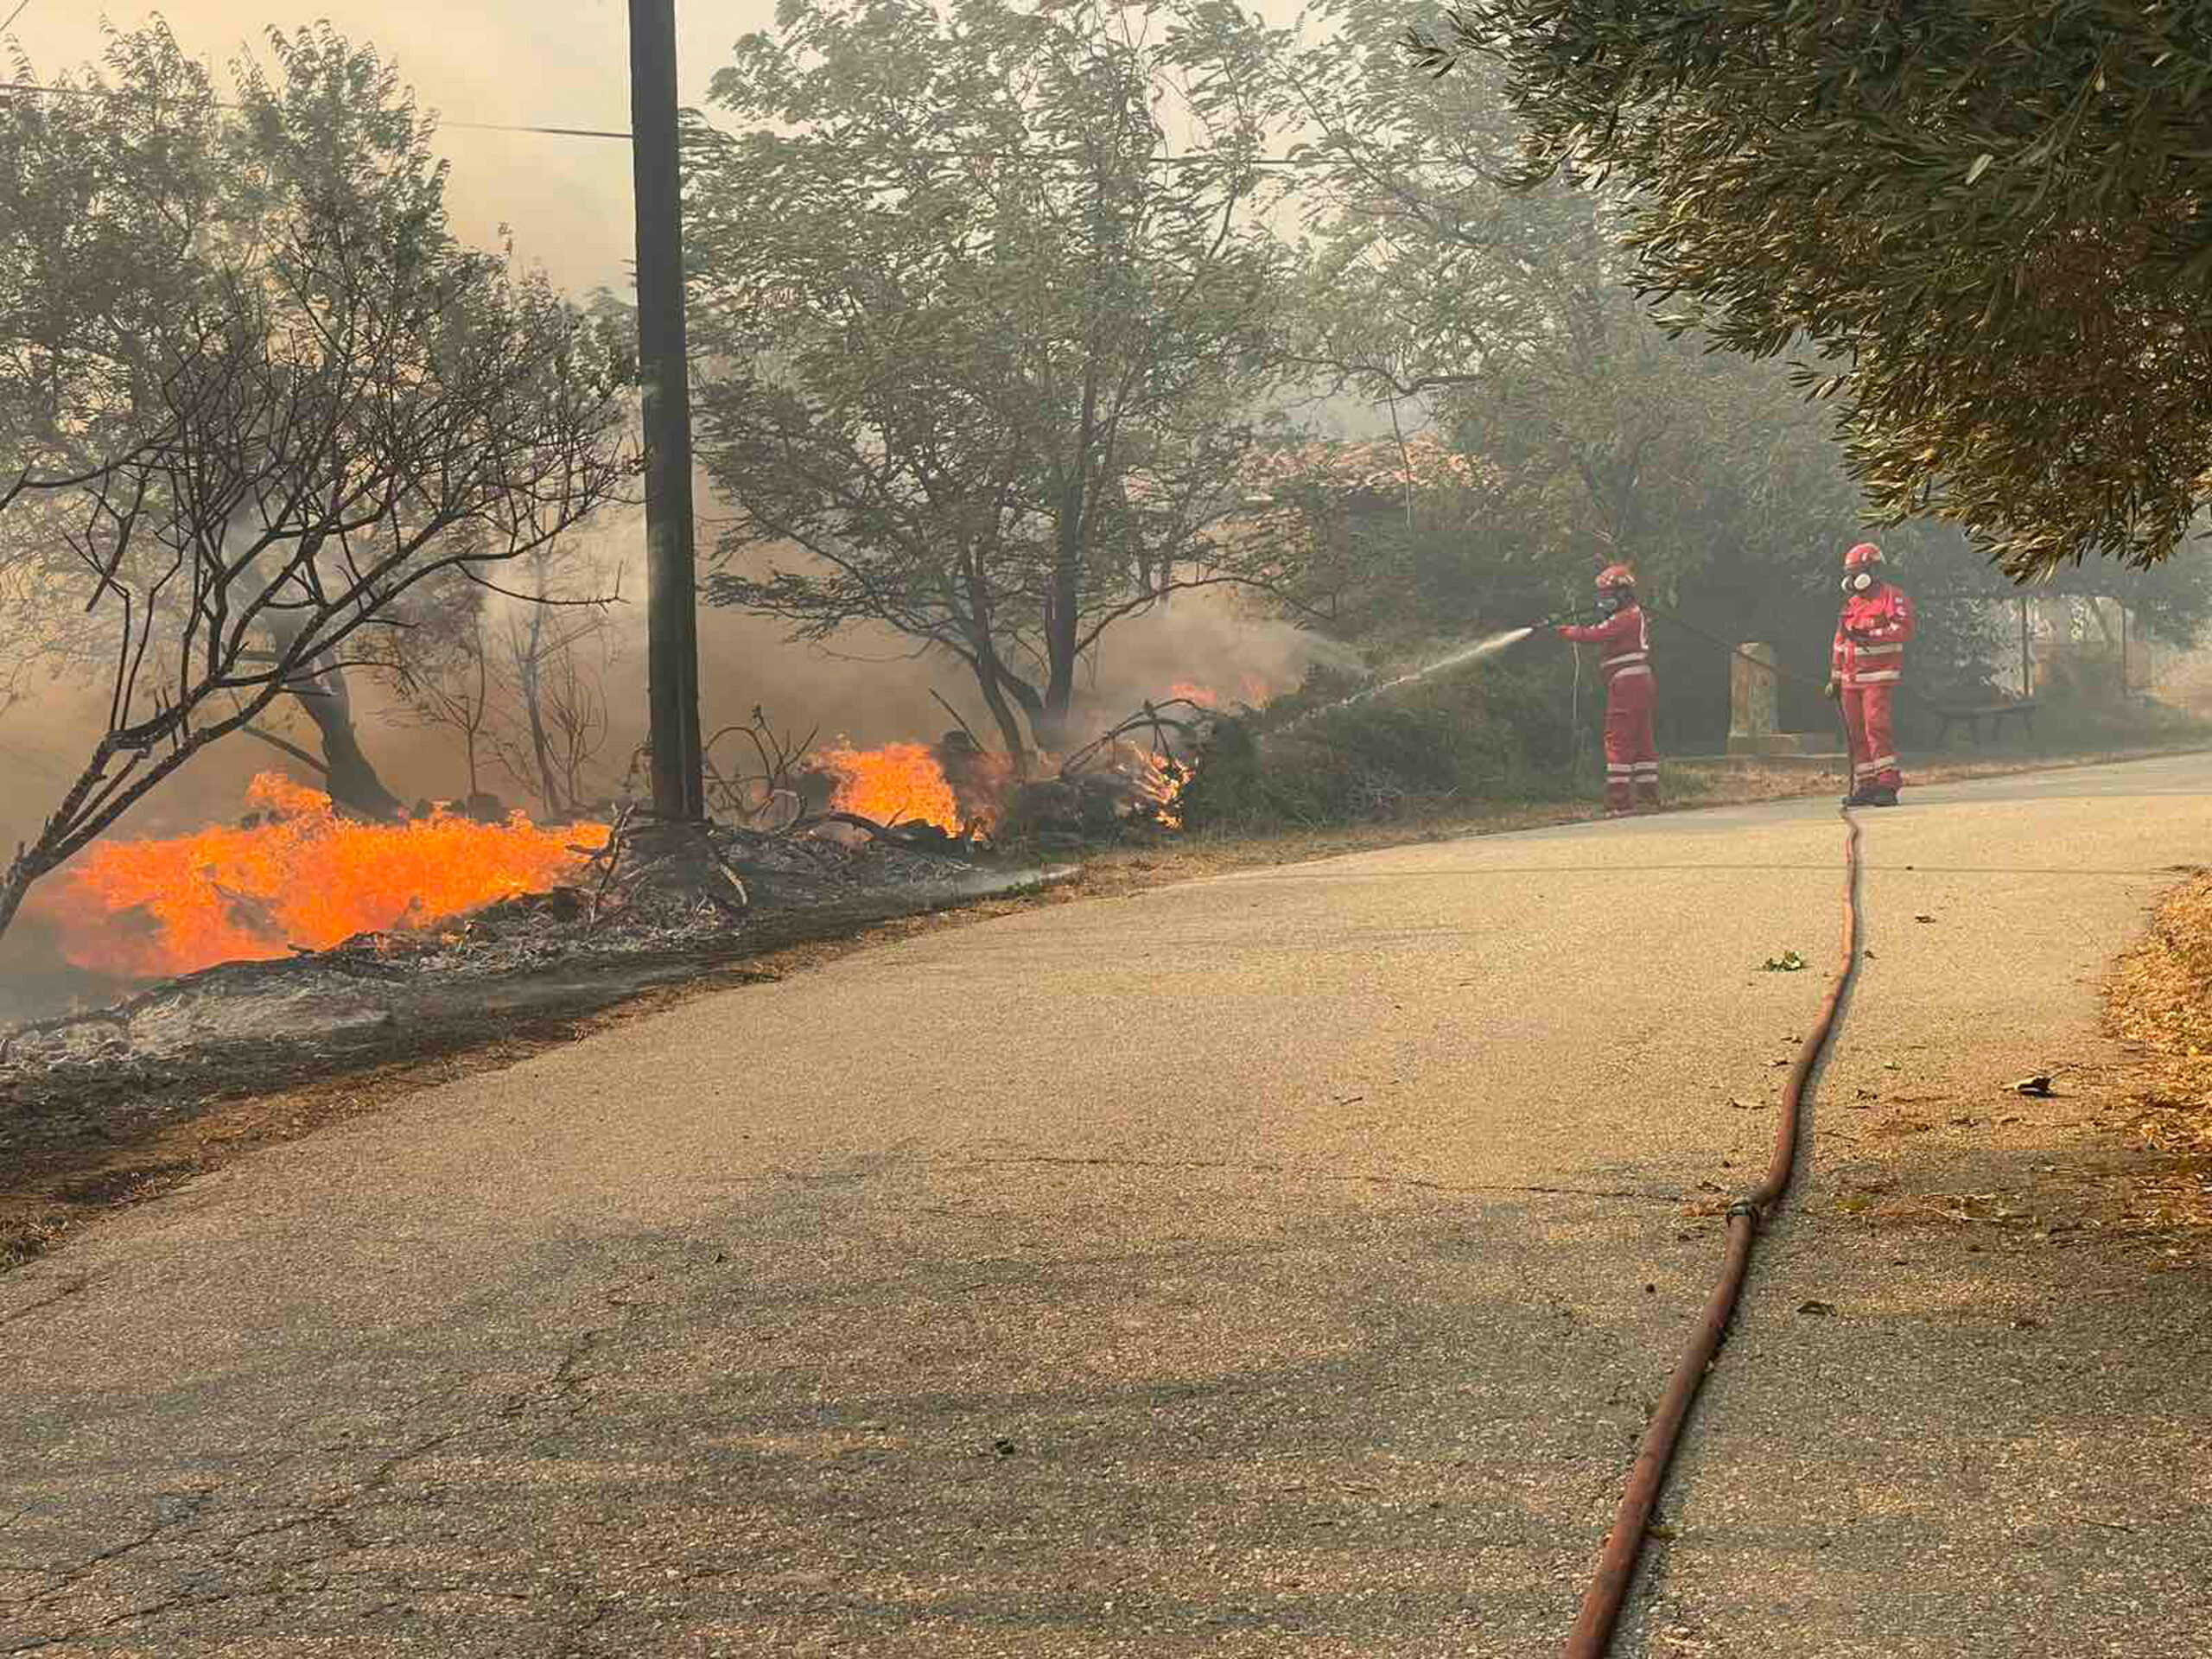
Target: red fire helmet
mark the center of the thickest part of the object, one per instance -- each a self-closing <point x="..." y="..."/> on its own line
<point x="1616" y="575"/>
<point x="1865" y="553"/>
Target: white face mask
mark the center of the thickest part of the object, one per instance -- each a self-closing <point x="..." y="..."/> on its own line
<point x="1858" y="581"/>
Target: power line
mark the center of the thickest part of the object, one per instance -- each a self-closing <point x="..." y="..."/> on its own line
<point x="20" y="10"/>
<point x="478" y="126"/>
<point x="1316" y="160"/>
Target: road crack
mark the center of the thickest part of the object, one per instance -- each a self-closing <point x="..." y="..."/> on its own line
<point x="75" y="1285"/>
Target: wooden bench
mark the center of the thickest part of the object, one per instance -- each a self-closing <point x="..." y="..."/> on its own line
<point x="1971" y="716"/>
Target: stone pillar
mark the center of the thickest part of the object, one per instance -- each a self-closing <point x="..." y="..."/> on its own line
<point x="1752" y="687"/>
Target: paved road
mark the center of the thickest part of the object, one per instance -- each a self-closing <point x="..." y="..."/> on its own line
<point x="1273" y="1265"/>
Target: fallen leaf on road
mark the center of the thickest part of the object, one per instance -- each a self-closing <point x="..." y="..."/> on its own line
<point x="1823" y="1308"/>
<point x="1923" y="918"/>
<point x="1788" y="962"/>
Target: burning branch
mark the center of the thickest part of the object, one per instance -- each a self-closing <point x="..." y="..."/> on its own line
<point x="1153" y="718"/>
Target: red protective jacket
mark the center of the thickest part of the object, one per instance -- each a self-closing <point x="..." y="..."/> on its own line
<point x="1627" y="640"/>
<point x="1871" y="636"/>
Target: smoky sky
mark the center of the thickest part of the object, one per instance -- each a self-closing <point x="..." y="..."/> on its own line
<point x="526" y="62"/>
<point x="521" y="61"/>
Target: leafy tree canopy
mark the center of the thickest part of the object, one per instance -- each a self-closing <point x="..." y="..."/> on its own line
<point x="986" y="305"/>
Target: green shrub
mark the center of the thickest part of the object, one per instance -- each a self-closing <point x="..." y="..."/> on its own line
<point x="1498" y="730"/>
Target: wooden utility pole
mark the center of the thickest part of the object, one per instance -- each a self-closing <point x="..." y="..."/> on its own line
<point x="672" y="587"/>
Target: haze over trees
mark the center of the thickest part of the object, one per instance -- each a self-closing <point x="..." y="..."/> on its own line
<point x="264" y="405"/>
<point x="988" y="310"/>
<point x="1504" y="317"/>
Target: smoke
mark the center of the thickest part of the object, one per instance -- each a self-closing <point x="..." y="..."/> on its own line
<point x="869" y="685"/>
<point x="566" y="204"/>
<point x="566" y="199"/>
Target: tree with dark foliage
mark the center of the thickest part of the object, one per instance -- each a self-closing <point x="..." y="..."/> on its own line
<point x="1993" y="219"/>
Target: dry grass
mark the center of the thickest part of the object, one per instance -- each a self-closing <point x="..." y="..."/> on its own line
<point x="2160" y="998"/>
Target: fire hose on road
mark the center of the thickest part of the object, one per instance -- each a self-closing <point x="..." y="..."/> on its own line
<point x="1592" y="1634"/>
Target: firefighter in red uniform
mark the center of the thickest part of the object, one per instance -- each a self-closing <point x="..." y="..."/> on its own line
<point x="1867" y="668"/>
<point x="1631" y="757"/>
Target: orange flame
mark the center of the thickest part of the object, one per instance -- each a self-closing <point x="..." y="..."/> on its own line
<point x="900" y="783"/>
<point x="304" y="876"/>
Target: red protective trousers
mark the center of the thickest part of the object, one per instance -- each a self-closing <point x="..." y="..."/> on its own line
<point x="1631" y="754"/>
<point x="1868" y="661"/>
<point x="1873" y="750"/>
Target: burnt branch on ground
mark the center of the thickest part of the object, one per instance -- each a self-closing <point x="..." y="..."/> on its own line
<point x="765" y="796"/>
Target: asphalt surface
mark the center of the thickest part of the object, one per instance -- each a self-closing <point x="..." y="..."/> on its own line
<point x="1273" y="1265"/>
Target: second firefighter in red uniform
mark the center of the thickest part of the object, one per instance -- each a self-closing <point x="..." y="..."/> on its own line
<point x="1867" y="668"/>
<point x="1631" y="756"/>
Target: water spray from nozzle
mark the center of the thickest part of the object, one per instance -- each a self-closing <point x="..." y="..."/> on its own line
<point x="1488" y="645"/>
